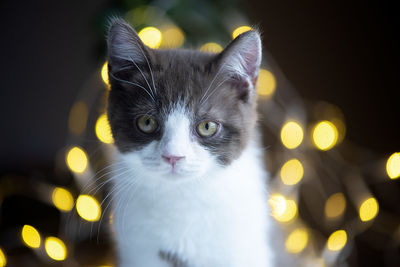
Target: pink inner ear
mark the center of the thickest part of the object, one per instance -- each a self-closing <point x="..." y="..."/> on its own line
<point x="254" y="80"/>
<point x="250" y="61"/>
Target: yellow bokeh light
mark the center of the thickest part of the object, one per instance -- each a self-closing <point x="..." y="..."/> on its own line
<point x="292" y="172"/>
<point x="88" y="208"/>
<point x="240" y="30"/>
<point x="266" y="83"/>
<point x="393" y="166"/>
<point x="325" y="135"/>
<point x="282" y="209"/>
<point x="211" y="48"/>
<point x="369" y="209"/>
<point x="55" y="248"/>
<point x="3" y="259"/>
<point x="335" y="205"/>
<point x="296" y="241"/>
<point x="103" y="130"/>
<point x="30" y="236"/>
<point x="151" y="37"/>
<point x="278" y="204"/>
<point x="173" y="37"/>
<point x="104" y="75"/>
<point x="77" y="118"/>
<point x="62" y="199"/>
<point x="292" y="134"/>
<point x="77" y="159"/>
<point x="337" y="240"/>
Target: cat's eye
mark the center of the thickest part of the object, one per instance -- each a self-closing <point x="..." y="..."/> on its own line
<point x="207" y="128"/>
<point x="147" y="124"/>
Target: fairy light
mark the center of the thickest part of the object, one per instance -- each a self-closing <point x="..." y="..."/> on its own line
<point x="77" y="118"/>
<point x="337" y="240"/>
<point x="30" y="236"/>
<point x="55" y="248"/>
<point x="88" y="208"/>
<point x="292" y="134"/>
<point x="325" y="135"/>
<point x="3" y="259"/>
<point x="369" y="209"/>
<point x="266" y="83"/>
<point x="103" y="130"/>
<point x="278" y="204"/>
<point x="151" y="37"/>
<point x="296" y="241"/>
<point x="393" y="166"/>
<point x="282" y="209"/>
<point x="211" y="48"/>
<point x="292" y="172"/>
<point x="62" y="199"/>
<point x="239" y="30"/>
<point x="77" y="159"/>
<point x="173" y="37"/>
<point x="335" y="205"/>
<point x="104" y="75"/>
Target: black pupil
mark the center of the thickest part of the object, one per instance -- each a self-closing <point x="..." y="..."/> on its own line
<point x="207" y="126"/>
<point x="147" y="122"/>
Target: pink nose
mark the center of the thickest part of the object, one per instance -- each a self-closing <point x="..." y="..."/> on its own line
<point x="172" y="159"/>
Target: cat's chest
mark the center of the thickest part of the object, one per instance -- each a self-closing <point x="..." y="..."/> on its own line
<point x="226" y="200"/>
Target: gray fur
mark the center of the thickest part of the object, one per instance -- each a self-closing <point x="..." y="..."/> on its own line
<point x="218" y="87"/>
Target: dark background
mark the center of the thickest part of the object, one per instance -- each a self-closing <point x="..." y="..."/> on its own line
<point x="343" y="52"/>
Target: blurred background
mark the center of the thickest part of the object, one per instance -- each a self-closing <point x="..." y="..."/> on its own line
<point x="329" y="112"/>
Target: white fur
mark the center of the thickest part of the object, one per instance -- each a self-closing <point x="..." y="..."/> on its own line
<point x="205" y="214"/>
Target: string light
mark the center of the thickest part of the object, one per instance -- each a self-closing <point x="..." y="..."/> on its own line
<point x="3" y="259"/>
<point x="393" y="166"/>
<point x="104" y="75"/>
<point x="296" y="241"/>
<point x="325" y="135"/>
<point x="369" y="209"/>
<point x="335" y="205"/>
<point x="88" y="208"/>
<point x="111" y="219"/>
<point x="77" y="118"/>
<point x="266" y="83"/>
<point x="103" y="130"/>
<point x="337" y="240"/>
<point x="292" y="134"/>
<point x="211" y="48"/>
<point x="151" y="37"/>
<point x="55" y="248"/>
<point x="173" y="37"/>
<point x="292" y="172"/>
<point x="77" y="159"/>
<point x="62" y="199"/>
<point x="239" y="30"/>
<point x="30" y="236"/>
<point x="282" y="209"/>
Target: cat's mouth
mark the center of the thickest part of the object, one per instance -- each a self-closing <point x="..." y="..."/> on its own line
<point x="181" y="169"/>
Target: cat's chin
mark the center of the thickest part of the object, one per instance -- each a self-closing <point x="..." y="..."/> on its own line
<point x="179" y="175"/>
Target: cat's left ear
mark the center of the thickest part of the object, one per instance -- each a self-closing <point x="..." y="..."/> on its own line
<point x="241" y="60"/>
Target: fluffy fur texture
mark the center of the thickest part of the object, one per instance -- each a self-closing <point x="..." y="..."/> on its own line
<point x="208" y="207"/>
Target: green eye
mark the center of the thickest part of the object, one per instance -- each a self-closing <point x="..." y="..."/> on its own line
<point x="147" y="124"/>
<point x="207" y="128"/>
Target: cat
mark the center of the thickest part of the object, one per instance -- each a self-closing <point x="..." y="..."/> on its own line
<point x="190" y="185"/>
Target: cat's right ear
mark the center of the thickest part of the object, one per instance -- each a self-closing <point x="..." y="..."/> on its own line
<point x="124" y="46"/>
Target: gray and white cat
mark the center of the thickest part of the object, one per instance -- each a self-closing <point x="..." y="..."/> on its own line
<point x="190" y="181"/>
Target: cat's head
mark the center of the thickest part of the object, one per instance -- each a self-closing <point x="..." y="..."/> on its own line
<point x="178" y="113"/>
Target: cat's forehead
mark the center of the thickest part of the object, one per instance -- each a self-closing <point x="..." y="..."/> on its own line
<point x="182" y="78"/>
<point x="184" y="60"/>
